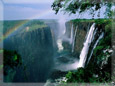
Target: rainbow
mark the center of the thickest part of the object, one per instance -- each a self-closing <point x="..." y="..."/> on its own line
<point x="11" y="30"/>
<point x="37" y="16"/>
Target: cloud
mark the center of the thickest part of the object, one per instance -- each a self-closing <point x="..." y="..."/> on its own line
<point x="17" y="12"/>
<point x="30" y="11"/>
<point x="27" y="1"/>
<point x="1" y="11"/>
<point x="19" y="9"/>
<point x="21" y="12"/>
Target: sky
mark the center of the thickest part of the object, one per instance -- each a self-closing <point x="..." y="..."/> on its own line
<point x="31" y="9"/>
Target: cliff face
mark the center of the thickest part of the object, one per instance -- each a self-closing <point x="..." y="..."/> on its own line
<point x="80" y="34"/>
<point x="82" y="29"/>
<point x="36" y="50"/>
<point x="41" y="38"/>
<point x="98" y="66"/>
<point x="85" y="36"/>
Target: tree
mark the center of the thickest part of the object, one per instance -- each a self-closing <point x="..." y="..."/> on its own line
<point x="80" y="6"/>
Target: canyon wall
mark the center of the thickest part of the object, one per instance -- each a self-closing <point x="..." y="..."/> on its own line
<point x="36" y="50"/>
<point x="82" y="29"/>
<point x="85" y="37"/>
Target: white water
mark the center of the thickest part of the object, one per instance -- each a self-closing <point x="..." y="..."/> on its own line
<point x="85" y="49"/>
<point x="62" y="28"/>
<point x="60" y="46"/>
<point x="61" y="32"/>
<point x="74" y="40"/>
<point x="100" y="37"/>
<point x="71" y="37"/>
<point x="68" y="66"/>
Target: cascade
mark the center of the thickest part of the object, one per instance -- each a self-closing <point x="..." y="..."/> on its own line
<point x="59" y="44"/>
<point x="62" y="28"/>
<point x="100" y="37"/>
<point x="74" y="40"/>
<point x="61" y="32"/>
<point x="71" y="37"/>
<point x="86" y="46"/>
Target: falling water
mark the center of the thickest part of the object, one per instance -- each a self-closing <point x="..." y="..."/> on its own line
<point x="62" y="28"/>
<point x="60" y="46"/>
<point x="74" y="40"/>
<point x="87" y="43"/>
<point x="61" y="32"/>
<point x="100" y="37"/>
<point x="71" y="37"/>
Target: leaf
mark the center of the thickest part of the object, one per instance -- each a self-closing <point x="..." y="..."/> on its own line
<point x="1" y="66"/>
<point x="1" y="51"/>
<point x="15" y="58"/>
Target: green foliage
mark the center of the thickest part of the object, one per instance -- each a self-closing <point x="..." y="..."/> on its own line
<point x="1" y="66"/>
<point x="33" y="27"/>
<point x="108" y="27"/>
<point x="100" y="21"/>
<point x="103" y="21"/>
<point x="10" y="26"/>
<point x="69" y="75"/>
<point x="98" y="48"/>
<point x="1" y="50"/>
<point x="15" y="58"/>
<point x="11" y="61"/>
<point x="82" y="20"/>
<point x="80" y="6"/>
<point x="106" y="22"/>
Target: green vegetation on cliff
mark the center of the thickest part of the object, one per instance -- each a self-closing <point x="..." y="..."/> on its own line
<point x="11" y="61"/>
<point x="10" y="26"/>
<point x="97" y="21"/>
<point x="98" y="70"/>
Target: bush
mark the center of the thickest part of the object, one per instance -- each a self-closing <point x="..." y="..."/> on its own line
<point x="12" y="60"/>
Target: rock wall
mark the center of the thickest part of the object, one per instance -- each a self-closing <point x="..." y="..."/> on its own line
<point x="36" y="50"/>
<point x="80" y="35"/>
<point x="82" y="28"/>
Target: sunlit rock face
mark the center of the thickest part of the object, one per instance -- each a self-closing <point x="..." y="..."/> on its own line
<point x="36" y="50"/>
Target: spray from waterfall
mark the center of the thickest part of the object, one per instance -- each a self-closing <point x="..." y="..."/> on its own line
<point x="62" y="28"/>
<point x="61" y="32"/>
<point x="87" y="43"/>
<point x="69" y="39"/>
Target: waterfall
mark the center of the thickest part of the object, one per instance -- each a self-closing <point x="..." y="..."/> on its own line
<point x="61" y="32"/>
<point x="100" y="37"/>
<point x="71" y="37"/>
<point x="86" y="46"/>
<point x="62" y="28"/>
<point x="74" y="40"/>
<point x="60" y="46"/>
